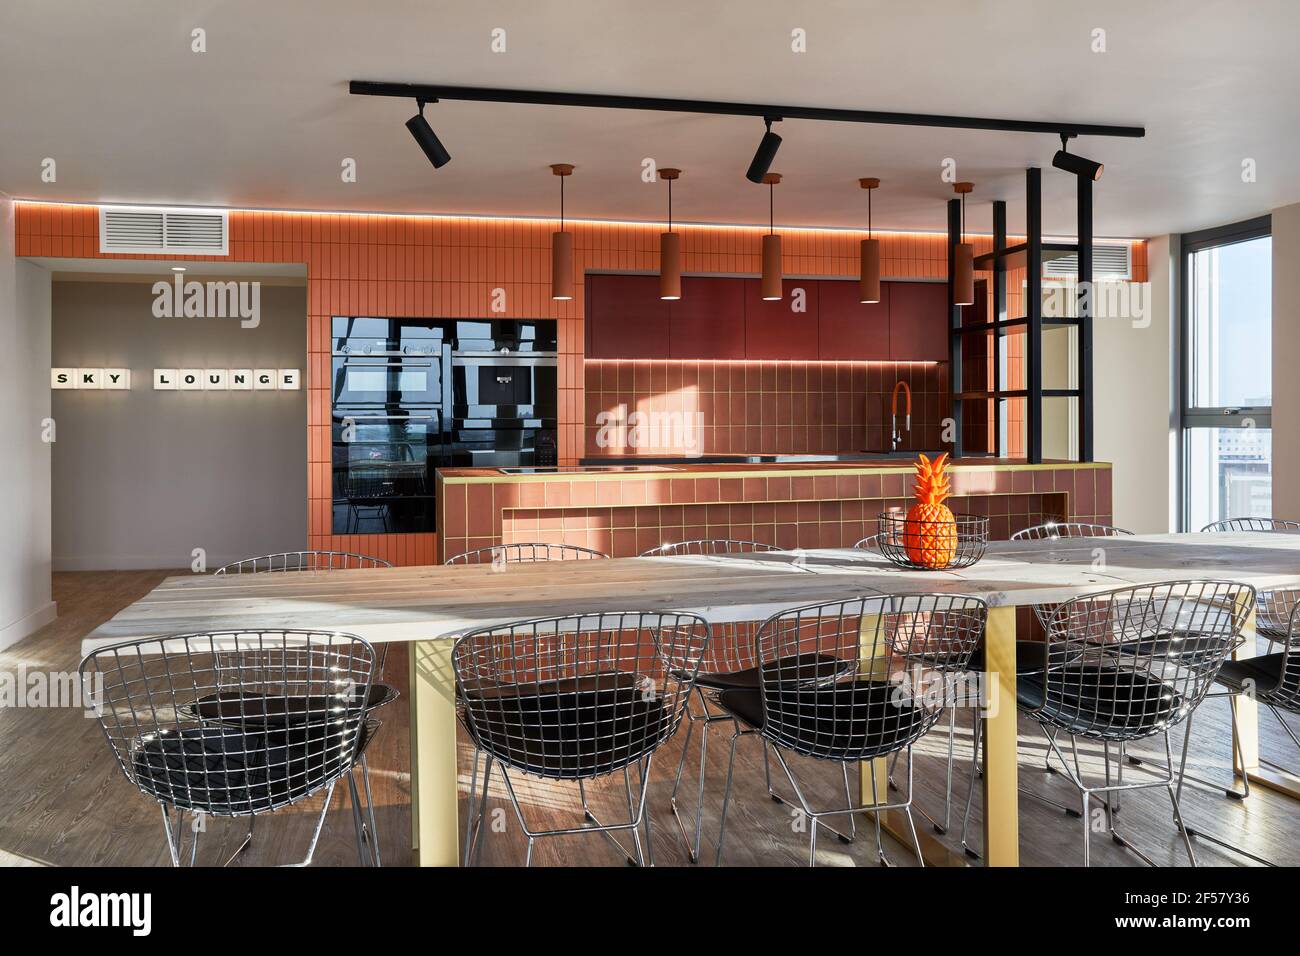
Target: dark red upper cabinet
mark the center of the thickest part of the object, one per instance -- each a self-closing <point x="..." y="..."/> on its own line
<point x="848" y="330"/>
<point x="625" y="317"/>
<point x="708" y="322"/>
<point x="918" y="321"/>
<point x="775" y="330"/>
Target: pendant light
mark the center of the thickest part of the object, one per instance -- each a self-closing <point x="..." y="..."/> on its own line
<point x="562" y="245"/>
<point x="869" y="272"/>
<point x="670" y="248"/>
<point x="771" y="284"/>
<point x="963" y="282"/>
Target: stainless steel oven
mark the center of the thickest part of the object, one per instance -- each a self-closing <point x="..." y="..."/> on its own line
<point x="388" y="362"/>
<point x="385" y="462"/>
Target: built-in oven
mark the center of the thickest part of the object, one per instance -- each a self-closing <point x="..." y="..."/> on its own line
<point x="389" y="361"/>
<point x="504" y="394"/>
<point x="384" y="464"/>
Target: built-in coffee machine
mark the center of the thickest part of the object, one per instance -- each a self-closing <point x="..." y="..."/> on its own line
<point x="410" y="396"/>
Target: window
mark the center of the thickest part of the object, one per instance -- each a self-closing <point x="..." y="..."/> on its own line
<point x="1227" y="320"/>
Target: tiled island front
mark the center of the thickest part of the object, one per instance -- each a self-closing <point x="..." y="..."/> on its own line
<point x="820" y="505"/>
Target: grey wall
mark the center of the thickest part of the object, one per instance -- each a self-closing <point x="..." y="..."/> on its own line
<point x="25" y="603"/>
<point x="1286" y="359"/>
<point x="142" y="477"/>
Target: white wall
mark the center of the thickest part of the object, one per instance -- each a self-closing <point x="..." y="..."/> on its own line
<point x="1133" y="400"/>
<point x="1286" y="362"/>
<point x="25" y="603"/>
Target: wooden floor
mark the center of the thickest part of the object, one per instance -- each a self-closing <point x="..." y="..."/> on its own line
<point x="63" y="801"/>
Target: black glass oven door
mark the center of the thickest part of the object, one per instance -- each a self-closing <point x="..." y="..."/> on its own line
<point x="384" y="464"/>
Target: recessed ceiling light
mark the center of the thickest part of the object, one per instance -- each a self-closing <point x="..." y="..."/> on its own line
<point x="178" y="268"/>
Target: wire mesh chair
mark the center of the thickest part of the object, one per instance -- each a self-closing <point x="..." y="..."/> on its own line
<point x="283" y="717"/>
<point x="1130" y="664"/>
<point x="1253" y="524"/>
<point x="709" y="546"/>
<point x="875" y="699"/>
<point x="1272" y="679"/>
<point x="870" y="543"/>
<point x="1271" y="614"/>
<point x="525" y="554"/>
<point x="303" y="561"/>
<point x="1054" y="530"/>
<point x="381" y="693"/>
<point x="576" y="698"/>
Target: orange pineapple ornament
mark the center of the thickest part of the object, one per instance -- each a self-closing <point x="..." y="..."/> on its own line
<point x="930" y="531"/>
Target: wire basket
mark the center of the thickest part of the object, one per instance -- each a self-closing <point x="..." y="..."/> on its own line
<point x="933" y="545"/>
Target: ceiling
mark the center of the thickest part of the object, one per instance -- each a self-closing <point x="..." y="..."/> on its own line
<point x="263" y="119"/>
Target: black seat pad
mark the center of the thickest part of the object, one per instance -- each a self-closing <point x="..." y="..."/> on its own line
<point x="567" y="729"/>
<point x="1102" y="701"/>
<point x="810" y="668"/>
<point x="1263" y="673"/>
<point x="853" y="720"/>
<point x="227" y="771"/>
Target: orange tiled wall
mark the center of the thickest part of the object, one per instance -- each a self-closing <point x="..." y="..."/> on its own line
<point x="758" y="407"/>
<point x="449" y="267"/>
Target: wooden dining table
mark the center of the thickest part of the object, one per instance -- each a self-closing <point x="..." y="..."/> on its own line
<point x="428" y="607"/>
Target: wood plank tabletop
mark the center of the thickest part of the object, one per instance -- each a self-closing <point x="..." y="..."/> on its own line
<point x="430" y="602"/>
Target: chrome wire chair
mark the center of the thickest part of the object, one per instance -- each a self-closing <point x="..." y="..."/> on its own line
<point x="1127" y="665"/>
<point x="870" y="543"/>
<point x="525" y="554"/>
<point x="303" y="561"/>
<point x="381" y="693"/>
<point x="709" y="546"/>
<point x="1271" y="614"/>
<point x="576" y="698"/>
<point x="233" y="724"/>
<point x="1272" y="679"/>
<point x="1053" y="530"/>
<point x="729" y="662"/>
<point x="1253" y="524"/>
<point x="875" y="699"/>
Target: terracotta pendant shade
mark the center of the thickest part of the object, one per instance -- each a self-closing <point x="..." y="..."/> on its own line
<point x="670" y="265"/>
<point x="963" y="283"/>
<point x="771" y="284"/>
<point x="869" y="273"/>
<point x="670" y="246"/>
<point x="561" y="265"/>
<point x="963" y="256"/>
<point x="562" y="245"/>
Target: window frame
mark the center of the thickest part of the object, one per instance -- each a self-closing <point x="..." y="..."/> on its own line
<point x="1192" y="416"/>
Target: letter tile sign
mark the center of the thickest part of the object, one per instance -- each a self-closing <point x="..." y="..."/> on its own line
<point x="113" y="379"/>
<point x="227" y="379"/>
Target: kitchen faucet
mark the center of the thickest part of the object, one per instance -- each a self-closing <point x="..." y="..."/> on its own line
<point x="896" y="437"/>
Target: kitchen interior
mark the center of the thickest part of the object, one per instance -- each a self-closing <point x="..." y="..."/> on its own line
<point x="777" y="348"/>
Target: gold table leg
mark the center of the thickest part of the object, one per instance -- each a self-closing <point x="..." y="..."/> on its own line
<point x="1001" y="796"/>
<point x="434" y="827"/>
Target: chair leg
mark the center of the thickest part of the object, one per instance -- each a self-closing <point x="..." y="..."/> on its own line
<point x="726" y="794"/>
<point x="643" y="769"/>
<point x="1087" y="828"/>
<point x="631" y="812"/>
<point x="970" y="791"/>
<point x="470" y="817"/>
<point x="1176" y="797"/>
<point x="692" y="848"/>
<point x="320" y="824"/>
<point x="248" y="841"/>
<point x="370" y="811"/>
<point x="481" y="823"/>
<point x="812" y="842"/>
<point x="363" y="857"/>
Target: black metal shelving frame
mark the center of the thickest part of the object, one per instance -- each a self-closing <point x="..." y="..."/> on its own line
<point x="1033" y="251"/>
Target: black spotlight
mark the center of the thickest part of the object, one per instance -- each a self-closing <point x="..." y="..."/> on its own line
<point x="764" y="155"/>
<point x="428" y="139"/>
<point x="1064" y="159"/>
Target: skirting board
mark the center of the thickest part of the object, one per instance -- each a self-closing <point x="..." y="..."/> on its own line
<point x="30" y="624"/>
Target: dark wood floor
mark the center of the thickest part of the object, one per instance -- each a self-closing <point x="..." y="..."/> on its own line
<point x="63" y="800"/>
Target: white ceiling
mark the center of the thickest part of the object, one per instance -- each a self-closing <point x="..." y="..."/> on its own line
<point x="113" y="93"/>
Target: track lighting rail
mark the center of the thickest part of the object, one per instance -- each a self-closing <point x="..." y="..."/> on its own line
<point x="431" y="93"/>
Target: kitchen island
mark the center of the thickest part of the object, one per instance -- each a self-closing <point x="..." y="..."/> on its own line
<point x="623" y="509"/>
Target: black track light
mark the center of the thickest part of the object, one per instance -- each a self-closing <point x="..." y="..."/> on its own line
<point x="1068" y="161"/>
<point x="428" y="139"/>
<point x="764" y="155"/>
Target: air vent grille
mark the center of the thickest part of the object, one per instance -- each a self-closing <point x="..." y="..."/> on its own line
<point x="178" y="231"/>
<point x="1110" y="260"/>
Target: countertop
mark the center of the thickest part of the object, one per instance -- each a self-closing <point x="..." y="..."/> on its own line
<point x="624" y="468"/>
